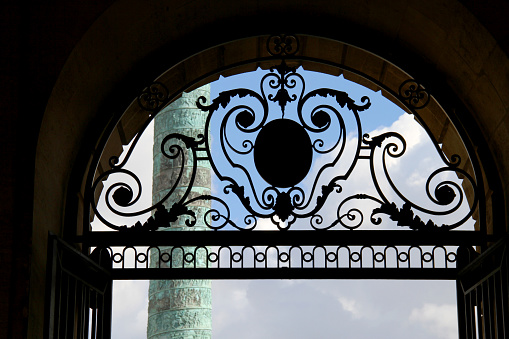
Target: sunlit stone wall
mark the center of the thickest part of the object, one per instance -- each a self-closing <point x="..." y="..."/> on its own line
<point x="180" y="308"/>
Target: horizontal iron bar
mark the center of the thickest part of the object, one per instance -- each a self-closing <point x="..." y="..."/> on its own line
<point x="285" y="238"/>
<point x="285" y="273"/>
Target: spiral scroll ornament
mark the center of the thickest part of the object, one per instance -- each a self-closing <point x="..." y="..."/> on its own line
<point x="283" y="45"/>
<point x="284" y="153"/>
<point x="154" y="97"/>
<point x="414" y="94"/>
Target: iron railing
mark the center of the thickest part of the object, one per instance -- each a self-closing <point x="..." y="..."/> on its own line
<point x="483" y="293"/>
<point x="79" y="293"/>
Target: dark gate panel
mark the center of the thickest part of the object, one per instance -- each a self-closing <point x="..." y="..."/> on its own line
<point x="79" y="293"/>
<point x="483" y="293"/>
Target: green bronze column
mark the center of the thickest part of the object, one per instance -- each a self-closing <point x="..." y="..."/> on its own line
<point x="180" y="308"/>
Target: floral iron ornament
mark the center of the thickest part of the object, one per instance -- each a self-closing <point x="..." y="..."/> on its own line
<point x="283" y="154"/>
<point x="282" y="150"/>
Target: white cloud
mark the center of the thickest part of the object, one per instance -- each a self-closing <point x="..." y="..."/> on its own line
<point x="439" y="320"/>
<point x="358" y="308"/>
<point x="302" y="309"/>
<point x="230" y="303"/>
<point x="351" y="305"/>
<point x="265" y="225"/>
<point x="407" y="126"/>
<point x="239" y="297"/>
<point x="130" y="309"/>
<point x="416" y="179"/>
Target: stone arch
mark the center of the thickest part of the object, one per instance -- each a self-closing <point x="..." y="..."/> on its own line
<point x="107" y="68"/>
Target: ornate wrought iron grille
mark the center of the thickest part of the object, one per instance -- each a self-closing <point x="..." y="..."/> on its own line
<point x="287" y="140"/>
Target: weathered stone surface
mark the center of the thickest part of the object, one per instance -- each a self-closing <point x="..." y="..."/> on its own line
<point x="187" y="334"/>
<point x="178" y="322"/>
<point x="167" y="284"/>
<point x="180" y="308"/>
<point x="180" y="298"/>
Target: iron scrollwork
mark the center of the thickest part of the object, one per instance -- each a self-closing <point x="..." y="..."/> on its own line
<point x="270" y="142"/>
<point x="414" y="94"/>
<point x="283" y="45"/>
<point x="333" y="257"/>
<point x="153" y="97"/>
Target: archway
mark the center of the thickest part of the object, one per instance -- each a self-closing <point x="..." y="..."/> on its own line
<point x="48" y="213"/>
<point x="395" y="84"/>
<point x="409" y="93"/>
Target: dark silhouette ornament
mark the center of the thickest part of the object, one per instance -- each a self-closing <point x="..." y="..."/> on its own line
<point x="267" y="142"/>
<point x="283" y="153"/>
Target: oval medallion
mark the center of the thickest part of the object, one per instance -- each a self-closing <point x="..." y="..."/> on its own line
<point x="283" y="153"/>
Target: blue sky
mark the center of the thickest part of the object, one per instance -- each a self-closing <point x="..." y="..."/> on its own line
<point x="409" y="171"/>
<point x="320" y="309"/>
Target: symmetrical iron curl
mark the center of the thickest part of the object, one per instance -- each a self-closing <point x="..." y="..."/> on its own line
<point x="414" y="94"/>
<point x="154" y="97"/>
<point x="283" y="45"/>
<point x="279" y="150"/>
